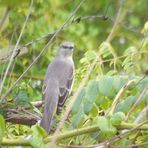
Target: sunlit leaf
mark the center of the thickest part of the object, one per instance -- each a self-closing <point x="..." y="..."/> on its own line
<point x="2" y="127"/>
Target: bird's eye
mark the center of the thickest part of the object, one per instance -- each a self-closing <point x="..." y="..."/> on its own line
<point x="64" y="46"/>
<point x="70" y="47"/>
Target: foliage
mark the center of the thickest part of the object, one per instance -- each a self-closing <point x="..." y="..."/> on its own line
<point x="118" y="58"/>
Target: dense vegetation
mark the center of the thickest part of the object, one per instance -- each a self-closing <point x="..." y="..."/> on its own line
<point x="109" y="100"/>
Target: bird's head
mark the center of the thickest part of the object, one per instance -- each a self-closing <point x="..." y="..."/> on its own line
<point x="66" y="49"/>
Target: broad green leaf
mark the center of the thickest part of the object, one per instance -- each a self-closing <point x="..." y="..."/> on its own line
<point x="126" y="104"/>
<point x="99" y="100"/>
<point x="87" y="107"/>
<point x="2" y="127"/>
<point x="117" y="83"/>
<point x="22" y="98"/>
<point x="78" y="117"/>
<point x="105" y="103"/>
<point x="37" y="136"/>
<point x="117" y="118"/>
<point x="78" y="101"/>
<point x="105" y="85"/>
<point x="92" y="91"/>
<point x="91" y="95"/>
<point x="94" y="110"/>
<point x="107" y="129"/>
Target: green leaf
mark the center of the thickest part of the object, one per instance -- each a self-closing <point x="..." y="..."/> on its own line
<point x="94" y="110"/>
<point x="37" y="137"/>
<point x="105" y="103"/>
<point x="22" y="98"/>
<point x="105" y="85"/>
<point x="117" y="118"/>
<point x="126" y="104"/>
<point x="105" y="126"/>
<point x="78" y="117"/>
<point x="91" y="95"/>
<point x="117" y="83"/>
<point x="2" y="127"/>
<point x="78" y="101"/>
<point x="90" y="55"/>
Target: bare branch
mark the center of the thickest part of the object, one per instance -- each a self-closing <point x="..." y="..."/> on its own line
<point x="24" y="119"/>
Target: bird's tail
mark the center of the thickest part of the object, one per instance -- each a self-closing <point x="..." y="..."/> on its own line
<point x="50" y="105"/>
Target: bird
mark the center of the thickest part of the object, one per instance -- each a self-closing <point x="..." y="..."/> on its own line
<point x="57" y="83"/>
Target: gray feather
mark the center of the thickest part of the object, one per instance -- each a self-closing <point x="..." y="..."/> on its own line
<point x="57" y="84"/>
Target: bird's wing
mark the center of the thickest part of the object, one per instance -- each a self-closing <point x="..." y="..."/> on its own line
<point x="44" y="87"/>
<point x="63" y="71"/>
<point x="65" y="88"/>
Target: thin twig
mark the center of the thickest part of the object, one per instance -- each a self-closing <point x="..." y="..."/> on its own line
<point x="15" y="48"/>
<point x="119" y="95"/>
<point x="139" y="99"/>
<point x="142" y="115"/>
<point x="102" y="146"/>
<point x="122" y="135"/>
<point x="29" y="113"/>
<point x="130" y="146"/>
<point x="117" y="20"/>
<point x="26" y="76"/>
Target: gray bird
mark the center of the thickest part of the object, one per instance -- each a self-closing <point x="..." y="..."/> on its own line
<point x="57" y="84"/>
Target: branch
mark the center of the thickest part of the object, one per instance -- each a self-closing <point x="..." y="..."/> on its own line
<point x="139" y="99"/>
<point x="72" y="133"/>
<point x="26" y="77"/>
<point x="22" y="115"/>
<point x="23" y="119"/>
<point x="37" y="104"/>
<point x="122" y="135"/>
<point x="131" y="146"/>
<point x="90" y="129"/>
<point x="142" y="114"/>
<point x="119" y="95"/>
<point x="15" y="142"/>
<point x="102" y="145"/>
